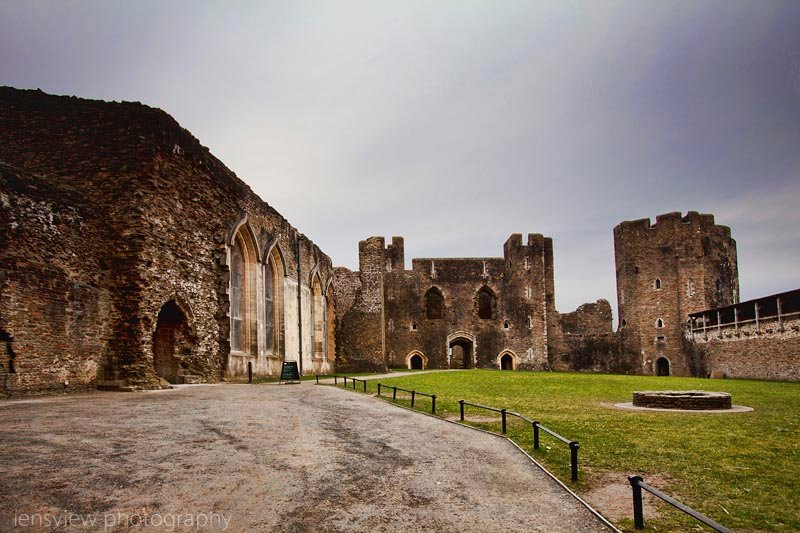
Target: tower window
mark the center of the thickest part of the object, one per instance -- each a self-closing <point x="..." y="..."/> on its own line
<point x="659" y="323"/>
<point x="485" y="303"/>
<point x="413" y="326"/>
<point x="434" y="304"/>
<point x="657" y="284"/>
<point x="505" y="324"/>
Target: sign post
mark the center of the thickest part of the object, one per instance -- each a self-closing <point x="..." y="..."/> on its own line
<point x="290" y="373"/>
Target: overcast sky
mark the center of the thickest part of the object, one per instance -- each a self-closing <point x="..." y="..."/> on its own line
<point x="458" y="123"/>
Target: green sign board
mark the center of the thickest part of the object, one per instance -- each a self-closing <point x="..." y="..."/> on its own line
<point x="289" y="372"/>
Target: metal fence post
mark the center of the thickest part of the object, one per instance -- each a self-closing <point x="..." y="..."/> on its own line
<point x="573" y="458"/>
<point x="335" y="380"/>
<point x="461" y="403"/>
<point x="354" y="383"/>
<point x="379" y="389"/>
<point x="249" y="372"/>
<point x="317" y="378"/>
<point x="413" y="393"/>
<point x="638" y="515"/>
<point x="433" y="404"/>
<point x="536" y="435"/>
<point x="394" y="393"/>
<point x="365" y="385"/>
<point x="345" y="381"/>
<point x="503" y="414"/>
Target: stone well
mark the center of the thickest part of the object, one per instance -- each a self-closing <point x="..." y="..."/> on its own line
<point x="684" y="399"/>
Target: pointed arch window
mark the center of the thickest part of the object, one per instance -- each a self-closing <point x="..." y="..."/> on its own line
<point x="273" y="302"/>
<point x="485" y="303"/>
<point x="242" y="292"/>
<point x="434" y="304"/>
<point x="318" y="318"/>
<point x="237" y="298"/>
<point x="269" y="308"/>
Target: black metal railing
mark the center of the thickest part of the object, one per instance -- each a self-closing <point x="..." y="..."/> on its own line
<point x="345" y="378"/>
<point x="574" y="446"/>
<point x="637" y="484"/>
<point x="413" y="393"/>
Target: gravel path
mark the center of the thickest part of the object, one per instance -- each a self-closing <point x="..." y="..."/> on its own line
<point x="264" y="458"/>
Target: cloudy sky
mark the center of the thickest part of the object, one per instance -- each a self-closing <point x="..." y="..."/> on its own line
<point x="457" y="123"/>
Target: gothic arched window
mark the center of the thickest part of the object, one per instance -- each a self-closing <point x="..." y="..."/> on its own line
<point x="434" y="303"/>
<point x="485" y="303"/>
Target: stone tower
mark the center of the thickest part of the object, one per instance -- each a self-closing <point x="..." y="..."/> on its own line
<point x="665" y="271"/>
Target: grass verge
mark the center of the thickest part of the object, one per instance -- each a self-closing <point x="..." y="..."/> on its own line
<point x="740" y="469"/>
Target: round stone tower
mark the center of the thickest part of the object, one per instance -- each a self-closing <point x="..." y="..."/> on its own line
<point x="666" y="270"/>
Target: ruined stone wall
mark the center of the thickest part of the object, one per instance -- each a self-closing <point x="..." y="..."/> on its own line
<point x="389" y="306"/>
<point x="54" y="309"/>
<point x="588" y="319"/>
<point x="585" y="341"/>
<point x="360" y="310"/>
<point x="695" y="264"/>
<point x="768" y="350"/>
<point x="167" y="212"/>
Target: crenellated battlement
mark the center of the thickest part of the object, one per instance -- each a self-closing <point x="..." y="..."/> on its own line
<point x="671" y="221"/>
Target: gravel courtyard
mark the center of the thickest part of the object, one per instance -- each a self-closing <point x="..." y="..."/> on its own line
<point x="262" y="458"/>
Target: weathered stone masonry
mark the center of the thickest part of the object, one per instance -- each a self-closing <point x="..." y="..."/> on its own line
<point x="112" y="211"/>
<point x="456" y="312"/>
<point x="665" y="271"/>
<point x="757" y="339"/>
<point x="130" y="255"/>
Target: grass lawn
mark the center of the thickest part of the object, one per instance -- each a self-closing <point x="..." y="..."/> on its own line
<point x="741" y="469"/>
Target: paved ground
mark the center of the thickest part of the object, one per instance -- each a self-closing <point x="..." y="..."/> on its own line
<point x="261" y="458"/>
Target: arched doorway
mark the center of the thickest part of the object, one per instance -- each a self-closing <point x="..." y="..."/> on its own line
<point x="170" y="333"/>
<point x="507" y="362"/>
<point x="416" y="360"/>
<point x="462" y="352"/>
<point x="662" y="366"/>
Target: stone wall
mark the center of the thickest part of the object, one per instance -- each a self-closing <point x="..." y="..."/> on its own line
<point x="359" y="299"/>
<point x="588" y="319"/>
<point x="388" y="319"/>
<point x="54" y="309"/>
<point x="665" y="271"/>
<point x="769" y="350"/>
<point x="161" y="218"/>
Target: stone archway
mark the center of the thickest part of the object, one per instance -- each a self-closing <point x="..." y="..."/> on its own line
<point x="662" y="366"/>
<point x="507" y="361"/>
<point x="416" y="360"/>
<point x="171" y="333"/>
<point x="461" y="350"/>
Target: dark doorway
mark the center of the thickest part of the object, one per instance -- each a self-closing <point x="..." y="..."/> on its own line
<point x="416" y="362"/>
<point x="170" y="331"/>
<point x="461" y="353"/>
<point x="7" y="364"/>
<point x="507" y="362"/>
<point x="662" y="366"/>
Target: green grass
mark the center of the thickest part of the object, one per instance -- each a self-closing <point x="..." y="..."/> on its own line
<point x="746" y="463"/>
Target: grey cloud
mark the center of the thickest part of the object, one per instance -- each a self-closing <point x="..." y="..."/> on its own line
<point x="458" y="123"/>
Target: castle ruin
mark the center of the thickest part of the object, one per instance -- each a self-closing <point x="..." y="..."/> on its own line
<point x="132" y="258"/>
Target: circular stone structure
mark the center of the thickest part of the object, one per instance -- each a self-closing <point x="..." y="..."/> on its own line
<point x="693" y="400"/>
